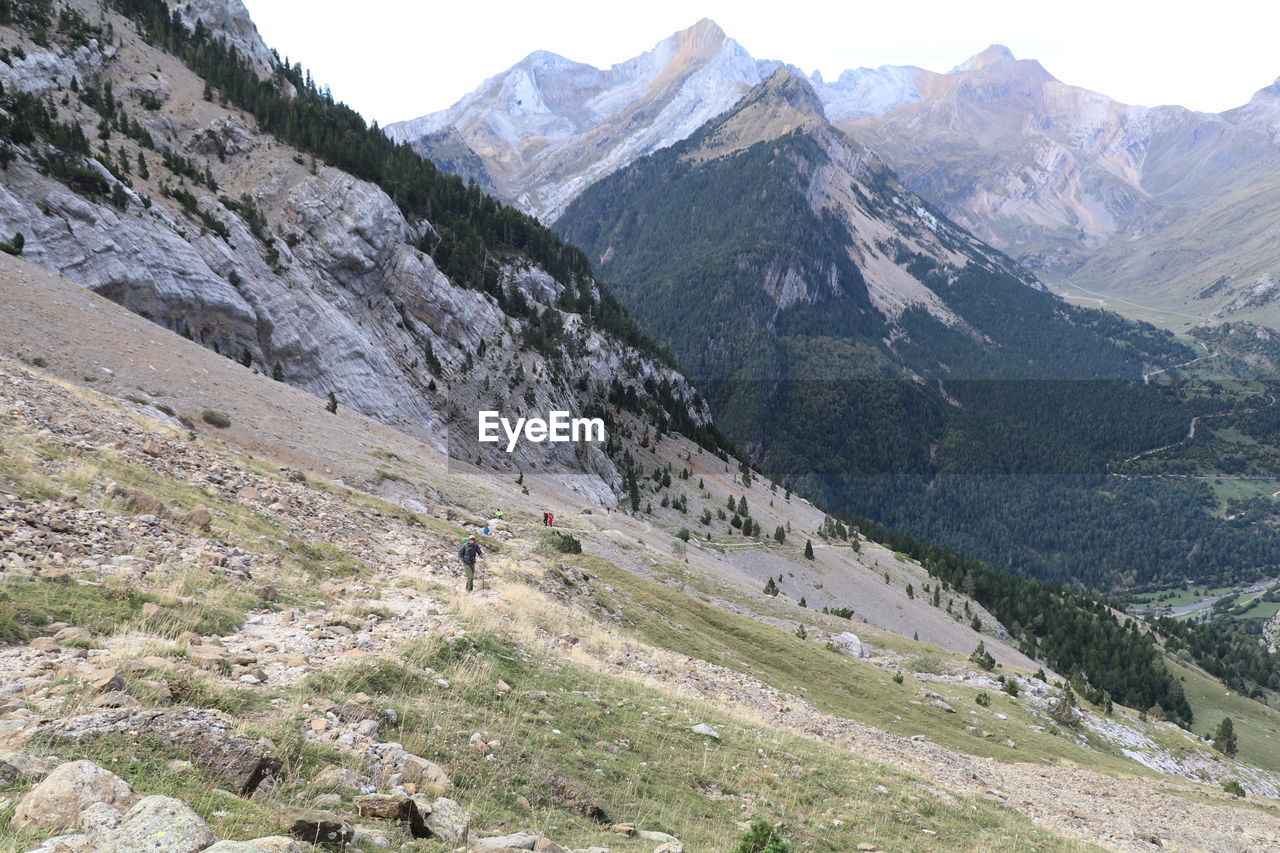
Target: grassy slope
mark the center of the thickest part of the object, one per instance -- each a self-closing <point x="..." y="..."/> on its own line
<point x="1257" y="726"/>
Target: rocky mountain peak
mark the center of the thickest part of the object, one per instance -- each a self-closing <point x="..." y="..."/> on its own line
<point x="993" y="55"/>
<point x="1262" y="111"/>
<point x="229" y="20"/>
<point x="705" y="32"/>
<point x="786" y="85"/>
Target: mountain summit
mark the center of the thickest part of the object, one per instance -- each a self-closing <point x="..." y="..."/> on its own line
<point x="547" y="127"/>
<point x="993" y="54"/>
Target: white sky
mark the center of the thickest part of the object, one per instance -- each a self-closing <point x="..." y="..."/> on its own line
<point x="396" y="60"/>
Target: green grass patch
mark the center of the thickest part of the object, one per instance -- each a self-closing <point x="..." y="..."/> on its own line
<point x="27" y="606"/>
<point x="1257" y="726"/>
<point x="836" y="683"/>
<point x="631" y="747"/>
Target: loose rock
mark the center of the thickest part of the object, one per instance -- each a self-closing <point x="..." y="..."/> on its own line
<point x="55" y="804"/>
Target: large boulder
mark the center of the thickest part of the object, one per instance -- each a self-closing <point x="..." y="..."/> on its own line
<point x="850" y="644"/>
<point x="55" y="804"/>
<point x="392" y="760"/>
<point x="316" y="827"/>
<point x="394" y="807"/>
<point x="447" y="820"/>
<point x="207" y="736"/>
<point x="514" y="841"/>
<point x="159" y="825"/>
<point x="16" y="765"/>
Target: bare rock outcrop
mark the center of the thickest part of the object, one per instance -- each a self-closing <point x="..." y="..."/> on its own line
<point x="206" y="735"/>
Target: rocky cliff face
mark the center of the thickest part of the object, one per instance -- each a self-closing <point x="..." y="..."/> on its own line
<point x="220" y="232"/>
<point x="230" y="20"/>
<point x="1082" y="187"/>
<point x="548" y="127"/>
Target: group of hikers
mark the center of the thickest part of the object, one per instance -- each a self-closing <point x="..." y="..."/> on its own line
<point x="471" y="550"/>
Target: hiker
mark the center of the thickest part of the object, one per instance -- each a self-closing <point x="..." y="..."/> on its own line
<point x="545" y="522"/>
<point x="485" y="531"/>
<point x="497" y="513"/>
<point x="468" y="554"/>
<point x="551" y="519"/>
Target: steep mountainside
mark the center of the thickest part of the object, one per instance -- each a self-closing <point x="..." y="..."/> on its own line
<point x="172" y="164"/>
<point x="256" y="548"/>
<point x="870" y="352"/>
<point x="1162" y="205"/>
<point x="1161" y="200"/>
<point x="548" y="127"/>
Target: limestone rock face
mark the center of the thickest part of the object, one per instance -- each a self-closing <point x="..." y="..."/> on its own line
<point x="40" y="71"/>
<point x="297" y="269"/>
<point x="548" y="127"/>
<point x="230" y="20"/>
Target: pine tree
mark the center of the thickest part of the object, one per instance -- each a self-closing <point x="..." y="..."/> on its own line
<point x="770" y="588"/>
<point x="808" y="549"/>
<point x="1063" y="710"/>
<point x="1224" y="739"/>
<point x="332" y="406"/>
<point x="780" y="534"/>
<point x="982" y="657"/>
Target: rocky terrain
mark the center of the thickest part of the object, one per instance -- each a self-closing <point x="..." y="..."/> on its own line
<point x="210" y="636"/>
<point x="1148" y="203"/>
<point x="212" y="227"/>
<point x="548" y="127"/>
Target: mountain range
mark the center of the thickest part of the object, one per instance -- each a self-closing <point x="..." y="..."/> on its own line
<point x="243" y="338"/>
<point x="1163" y="205"/>
<point x="868" y="351"/>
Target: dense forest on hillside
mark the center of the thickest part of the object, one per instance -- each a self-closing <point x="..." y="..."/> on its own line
<point x="996" y="436"/>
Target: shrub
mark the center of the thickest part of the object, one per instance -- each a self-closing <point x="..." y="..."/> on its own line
<point x="562" y="543"/>
<point x="931" y="664"/>
<point x="683" y="534"/>
<point x="215" y="419"/>
<point x="1232" y="787"/>
<point x="983" y="699"/>
<point x="14" y="246"/>
<point x="762" y="837"/>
